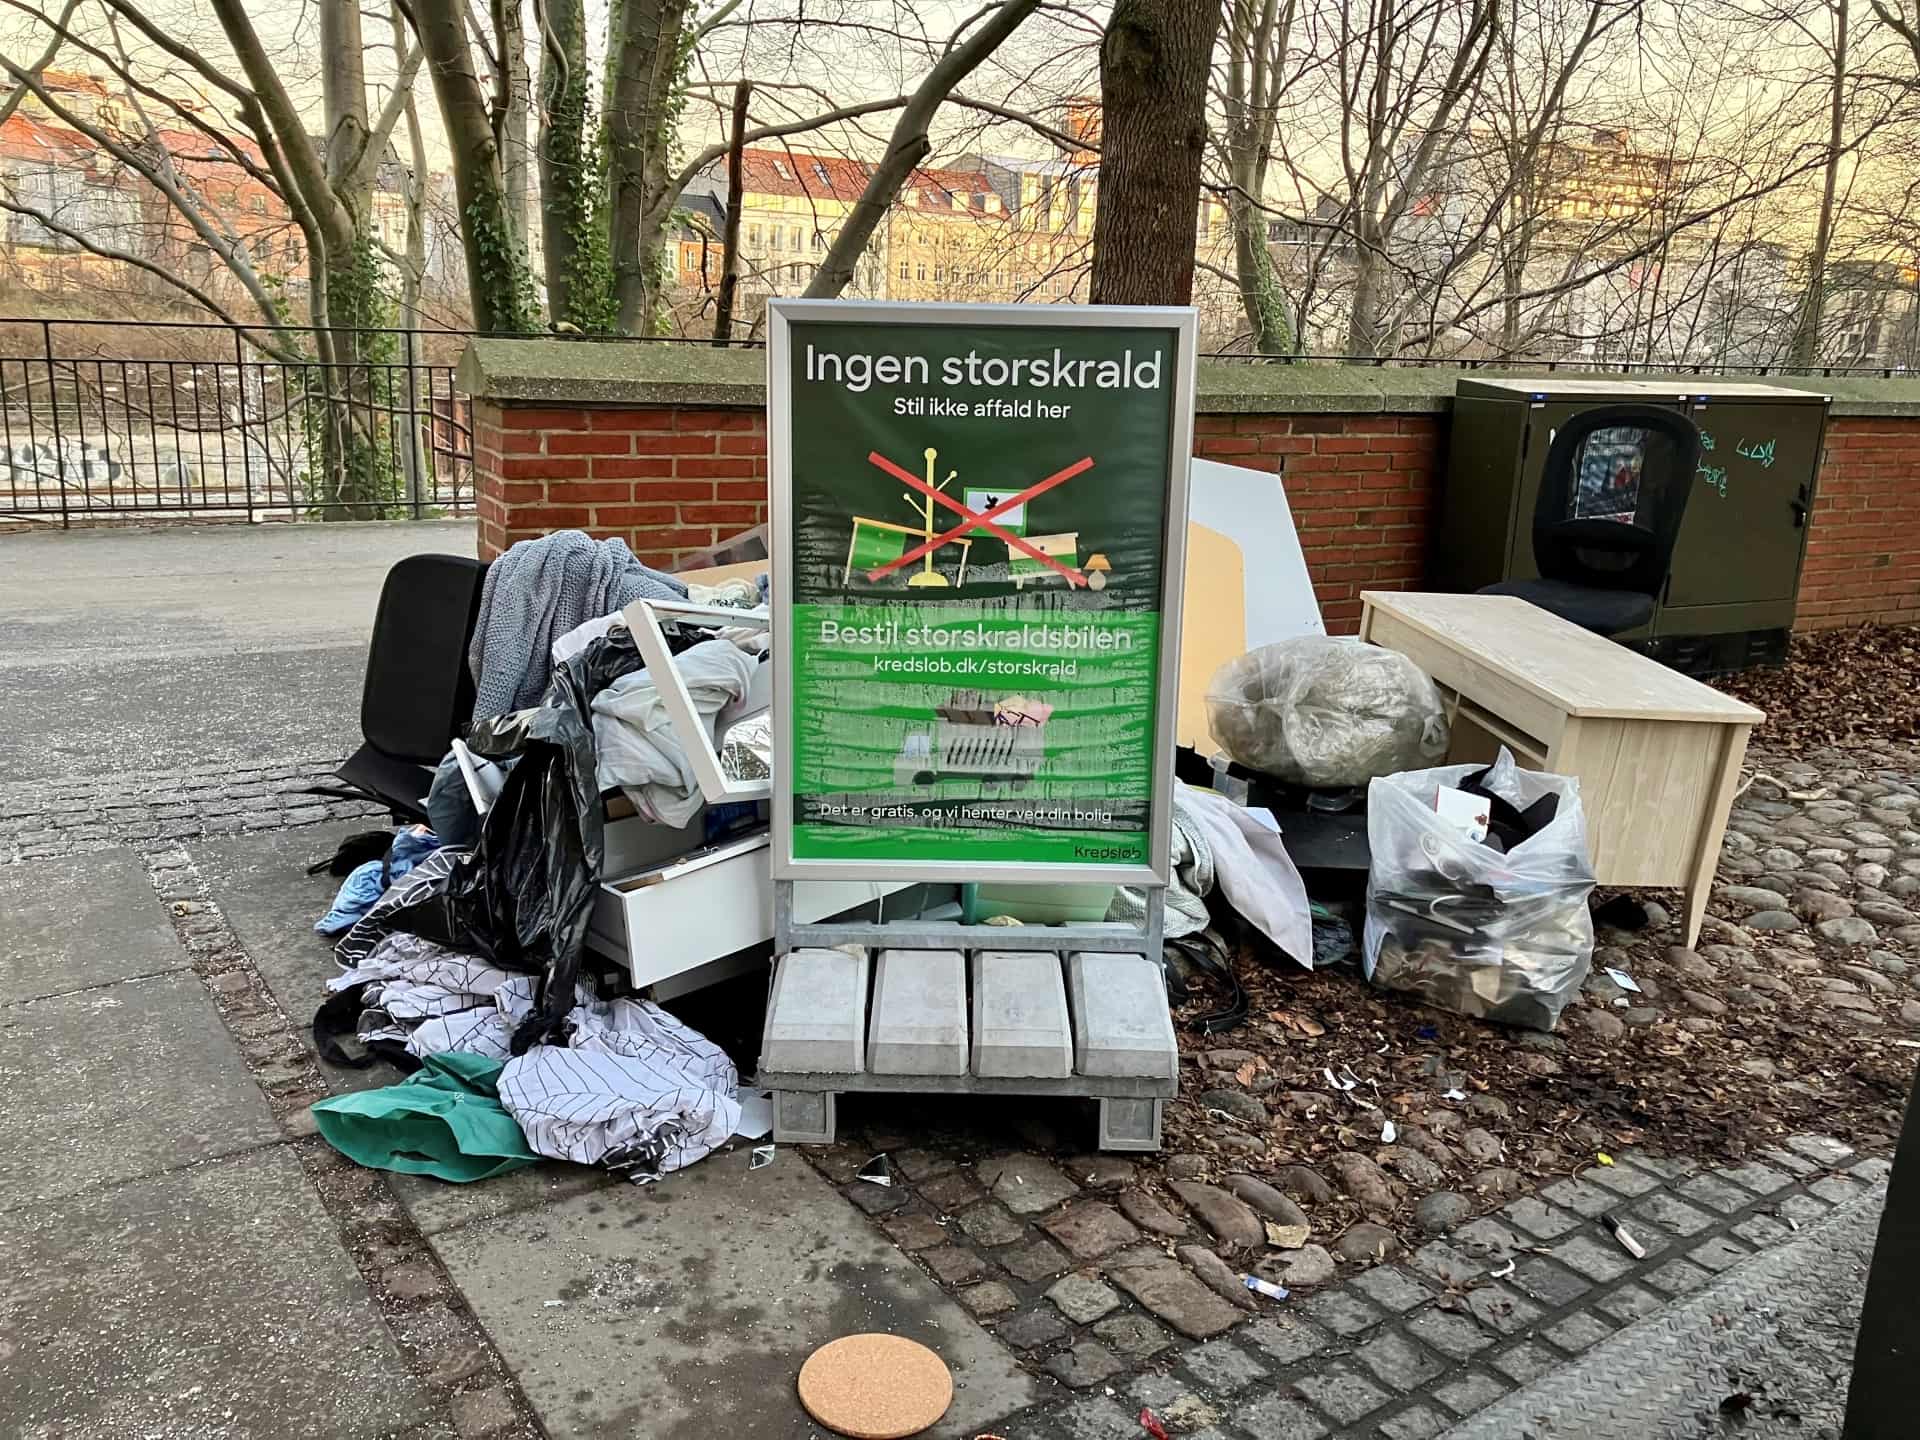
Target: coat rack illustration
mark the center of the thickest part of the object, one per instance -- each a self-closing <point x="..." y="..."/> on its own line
<point x="886" y="541"/>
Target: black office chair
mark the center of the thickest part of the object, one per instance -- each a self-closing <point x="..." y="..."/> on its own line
<point x="1611" y="500"/>
<point x="418" y="693"/>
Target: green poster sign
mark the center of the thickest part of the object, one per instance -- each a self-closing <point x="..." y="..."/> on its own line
<point x="979" y="524"/>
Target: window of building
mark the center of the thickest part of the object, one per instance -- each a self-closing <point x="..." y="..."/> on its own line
<point x="920" y="271"/>
<point x="819" y="242"/>
<point x="753" y="236"/>
<point x="257" y="204"/>
<point x="903" y="269"/>
<point x="780" y="169"/>
<point x="793" y="239"/>
<point x="821" y="172"/>
<point x="939" y="273"/>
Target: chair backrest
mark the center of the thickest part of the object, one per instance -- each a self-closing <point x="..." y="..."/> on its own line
<point x="418" y="690"/>
<point x="1612" y="497"/>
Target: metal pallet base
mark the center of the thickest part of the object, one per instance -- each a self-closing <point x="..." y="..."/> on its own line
<point x="1664" y="1377"/>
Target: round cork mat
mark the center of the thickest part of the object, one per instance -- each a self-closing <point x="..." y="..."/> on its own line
<point x="875" y="1387"/>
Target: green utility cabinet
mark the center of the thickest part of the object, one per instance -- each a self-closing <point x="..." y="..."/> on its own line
<point x="1729" y="599"/>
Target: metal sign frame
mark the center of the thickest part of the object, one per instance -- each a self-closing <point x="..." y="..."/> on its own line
<point x="1182" y="324"/>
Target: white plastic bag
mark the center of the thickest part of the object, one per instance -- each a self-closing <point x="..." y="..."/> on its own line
<point x="1502" y="936"/>
<point x="1326" y="711"/>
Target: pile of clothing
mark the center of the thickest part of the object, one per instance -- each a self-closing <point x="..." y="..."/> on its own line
<point x="465" y="940"/>
<point x="618" y="1083"/>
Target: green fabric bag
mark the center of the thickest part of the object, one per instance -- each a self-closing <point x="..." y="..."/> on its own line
<point x="444" y="1120"/>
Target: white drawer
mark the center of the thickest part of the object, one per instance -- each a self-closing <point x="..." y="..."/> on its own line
<point x="668" y="920"/>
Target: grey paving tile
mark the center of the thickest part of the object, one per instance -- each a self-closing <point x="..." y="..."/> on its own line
<point x="1396" y="1361"/>
<point x="1553" y="1285"/>
<point x="1450" y="1266"/>
<point x="1719" y="1253"/>
<point x="1222" y="1367"/>
<point x="1761" y="1230"/>
<point x="1451" y="1334"/>
<point x="1628" y="1303"/>
<point x="1391" y="1288"/>
<point x="1675" y="1216"/>
<point x="1716" y="1194"/>
<point x="1622" y="1179"/>
<point x="1761" y="1179"/>
<point x="1537" y="1218"/>
<point x="1592" y="1259"/>
<point x="1837" y="1189"/>
<point x="1525" y="1362"/>
<point x="1472" y="1391"/>
<point x="1822" y="1148"/>
<point x="1285" y="1339"/>
<point x="1580" y="1197"/>
<point x="1676" y="1277"/>
<point x="1416" y="1422"/>
<point x="1578" y="1331"/>
<point x="1502" y="1310"/>
<point x="1342" y="1312"/>
<point x="1344" y="1394"/>
<point x="1280" y="1417"/>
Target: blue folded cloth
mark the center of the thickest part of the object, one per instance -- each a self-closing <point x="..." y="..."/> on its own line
<point x="369" y="882"/>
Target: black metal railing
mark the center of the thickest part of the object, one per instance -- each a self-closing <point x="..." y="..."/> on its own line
<point x="105" y="419"/>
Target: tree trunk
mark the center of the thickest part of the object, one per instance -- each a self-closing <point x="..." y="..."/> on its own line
<point x="730" y="233"/>
<point x="644" y="78"/>
<point x="516" y="155"/>
<point x="573" y="179"/>
<point x="1363" y="323"/>
<point x="1154" y="64"/>
<point x="1805" y="351"/>
<point x="1260" y="293"/>
<point x="498" y="283"/>
<point x="354" y="471"/>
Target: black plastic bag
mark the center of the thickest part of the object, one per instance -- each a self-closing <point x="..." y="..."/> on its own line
<point x="523" y="896"/>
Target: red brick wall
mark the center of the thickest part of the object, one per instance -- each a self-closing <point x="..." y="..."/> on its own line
<point x="666" y="481"/>
<point x="1863" y="551"/>
<point x="1361" y="489"/>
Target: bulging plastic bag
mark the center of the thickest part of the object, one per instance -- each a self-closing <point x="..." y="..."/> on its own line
<point x="1326" y="711"/>
<point x="1504" y="937"/>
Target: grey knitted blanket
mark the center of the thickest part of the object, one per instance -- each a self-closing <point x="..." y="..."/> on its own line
<point x="541" y="589"/>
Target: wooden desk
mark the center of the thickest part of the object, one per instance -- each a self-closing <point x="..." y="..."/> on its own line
<point x="1657" y="754"/>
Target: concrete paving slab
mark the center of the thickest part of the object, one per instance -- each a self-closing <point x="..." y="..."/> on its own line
<point x="685" y="1309"/>
<point x="1020" y="1024"/>
<point x="817" y="1014"/>
<point x="209" y="1301"/>
<point x="248" y="640"/>
<point x="437" y="1207"/>
<point x="1121" y="1024"/>
<point x="261" y="885"/>
<point x="117" y="1082"/>
<point x="919" y="1023"/>
<point x="84" y="920"/>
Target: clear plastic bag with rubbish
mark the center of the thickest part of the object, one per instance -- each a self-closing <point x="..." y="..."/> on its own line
<point x="1501" y="936"/>
<point x="1326" y="712"/>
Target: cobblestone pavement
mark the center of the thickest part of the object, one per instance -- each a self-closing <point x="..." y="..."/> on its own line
<point x="43" y="819"/>
<point x="1764" y="1352"/>
<point x="1074" y="1266"/>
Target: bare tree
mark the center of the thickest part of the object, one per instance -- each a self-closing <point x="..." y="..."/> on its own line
<point x="910" y="145"/>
